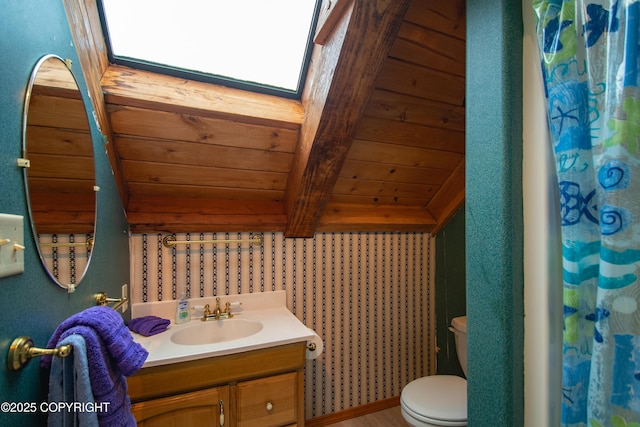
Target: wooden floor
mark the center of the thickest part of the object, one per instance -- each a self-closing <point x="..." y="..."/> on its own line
<point x="386" y="418"/>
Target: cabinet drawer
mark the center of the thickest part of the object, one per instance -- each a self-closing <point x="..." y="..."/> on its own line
<point x="198" y="408"/>
<point x="267" y="402"/>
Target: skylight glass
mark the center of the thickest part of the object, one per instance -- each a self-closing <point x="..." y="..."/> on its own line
<point x="258" y="42"/>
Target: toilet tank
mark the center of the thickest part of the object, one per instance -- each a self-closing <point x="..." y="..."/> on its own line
<point x="459" y="329"/>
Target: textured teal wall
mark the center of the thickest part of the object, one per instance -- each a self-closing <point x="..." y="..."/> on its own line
<point x="30" y="304"/>
<point x="494" y="229"/>
<point x="450" y="290"/>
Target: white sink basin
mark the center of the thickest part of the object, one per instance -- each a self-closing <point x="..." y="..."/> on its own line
<point x="216" y="331"/>
<point x="263" y="321"/>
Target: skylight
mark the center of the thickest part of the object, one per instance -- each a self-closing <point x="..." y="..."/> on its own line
<point x="255" y="44"/>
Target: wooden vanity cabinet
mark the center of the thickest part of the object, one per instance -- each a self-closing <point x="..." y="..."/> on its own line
<point x="259" y="388"/>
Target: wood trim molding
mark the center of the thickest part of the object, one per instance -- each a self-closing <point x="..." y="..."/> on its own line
<point x="147" y="90"/>
<point x="449" y="199"/>
<point x="330" y="14"/>
<point x="87" y="35"/>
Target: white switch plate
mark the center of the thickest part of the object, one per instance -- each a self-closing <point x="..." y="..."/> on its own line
<point x="12" y="245"/>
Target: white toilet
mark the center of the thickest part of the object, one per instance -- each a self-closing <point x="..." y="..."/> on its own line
<point x="439" y="400"/>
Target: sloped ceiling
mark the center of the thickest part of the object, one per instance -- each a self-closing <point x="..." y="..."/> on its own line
<point x="375" y="144"/>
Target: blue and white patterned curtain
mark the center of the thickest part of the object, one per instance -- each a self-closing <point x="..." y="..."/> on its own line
<point x="590" y="54"/>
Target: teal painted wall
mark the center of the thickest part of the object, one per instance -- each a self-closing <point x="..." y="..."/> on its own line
<point x="450" y="291"/>
<point x="30" y="304"/>
<point x="494" y="221"/>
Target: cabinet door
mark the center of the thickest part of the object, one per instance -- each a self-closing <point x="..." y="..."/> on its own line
<point x="268" y="402"/>
<point x="198" y="408"/>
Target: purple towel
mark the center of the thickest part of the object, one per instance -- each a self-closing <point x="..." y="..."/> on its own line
<point x="149" y="325"/>
<point x="111" y="355"/>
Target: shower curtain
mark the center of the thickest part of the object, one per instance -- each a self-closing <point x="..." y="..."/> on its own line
<point x="590" y="54"/>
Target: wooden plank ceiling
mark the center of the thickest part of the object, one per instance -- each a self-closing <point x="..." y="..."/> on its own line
<point x="61" y="175"/>
<point x="375" y="144"/>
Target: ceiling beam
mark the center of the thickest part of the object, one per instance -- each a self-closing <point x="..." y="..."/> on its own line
<point x="342" y="81"/>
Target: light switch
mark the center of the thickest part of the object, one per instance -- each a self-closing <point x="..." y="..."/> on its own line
<point x="11" y="244"/>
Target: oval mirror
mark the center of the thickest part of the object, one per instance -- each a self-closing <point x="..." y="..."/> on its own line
<point x="59" y="171"/>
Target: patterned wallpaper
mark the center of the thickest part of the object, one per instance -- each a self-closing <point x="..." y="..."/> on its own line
<point x="370" y="296"/>
<point x="65" y="255"/>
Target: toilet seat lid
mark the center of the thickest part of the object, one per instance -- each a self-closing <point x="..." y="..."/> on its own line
<point x="438" y="397"/>
<point x="460" y="323"/>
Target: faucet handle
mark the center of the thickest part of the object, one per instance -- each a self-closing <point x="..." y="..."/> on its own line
<point x="227" y="310"/>
<point x="206" y="312"/>
<point x="230" y="305"/>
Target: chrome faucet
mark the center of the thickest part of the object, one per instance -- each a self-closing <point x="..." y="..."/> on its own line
<point x="217" y="312"/>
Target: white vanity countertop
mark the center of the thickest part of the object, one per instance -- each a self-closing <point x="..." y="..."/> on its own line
<point x="280" y="327"/>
